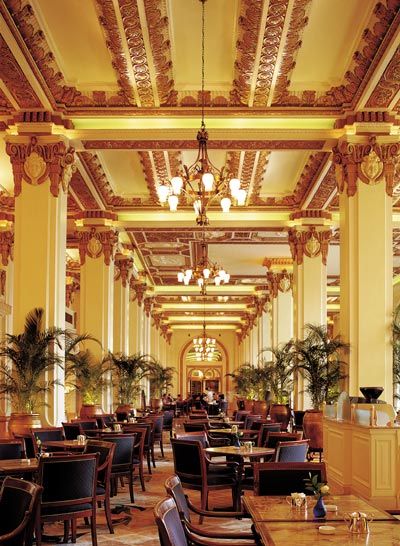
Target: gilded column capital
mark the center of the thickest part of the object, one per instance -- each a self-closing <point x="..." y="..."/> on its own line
<point x="148" y="305"/>
<point x="38" y="160"/>
<point x="309" y="241"/>
<point x="138" y="287"/>
<point x="123" y="268"/>
<point x="72" y="286"/>
<point x="371" y="162"/>
<point x="6" y="246"/>
<point x="95" y="241"/>
<point x="279" y="281"/>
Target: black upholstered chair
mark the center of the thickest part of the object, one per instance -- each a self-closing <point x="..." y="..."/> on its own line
<point x="122" y="463"/>
<point x="106" y="420"/>
<point x="264" y="430"/>
<point x="273" y="438"/>
<point x="196" y="436"/>
<point x="69" y="492"/>
<point x="196" y="471"/>
<point x="197" y="425"/>
<point x="158" y="427"/>
<point x="106" y="454"/>
<point x="292" y="452"/>
<point x="72" y="430"/>
<point x="19" y="503"/>
<point x="87" y="425"/>
<point x="284" y="478"/>
<point x="168" y="421"/>
<point x="147" y="441"/>
<point x="11" y="449"/>
<point x="48" y="434"/>
<point x="138" y="450"/>
<point x="250" y="419"/>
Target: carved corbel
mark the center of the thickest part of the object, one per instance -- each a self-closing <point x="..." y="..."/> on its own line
<point x="94" y="242"/>
<point x="123" y="266"/>
<point x="309" y="242"/>
<point x="6" y="246"/>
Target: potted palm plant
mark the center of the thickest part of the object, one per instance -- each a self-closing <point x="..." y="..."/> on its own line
<point x="160" y="381"/>
<point x="89" y="376"/>
<point x="128" y="374"/>
<point x="318" y="359"/>
<point x="245" y="382"/>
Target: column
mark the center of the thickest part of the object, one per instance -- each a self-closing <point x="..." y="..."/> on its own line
<point x="365" y="171"/>
<point x="42" y="168"/>
<point x="97" y="237"/>
<point x="309" y="242"/>
<point x="280" y="281"/>
<point x="133" y="322"/>
<point x="123" y="267"/>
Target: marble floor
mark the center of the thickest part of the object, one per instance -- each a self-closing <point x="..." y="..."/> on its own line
<point x="140" y="527"/>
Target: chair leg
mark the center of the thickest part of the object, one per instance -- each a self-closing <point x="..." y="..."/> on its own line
<point x="107" y="510"/>
<point x="162" y="447"/>
<point x="121" y="481"/>
<point x="152" y="456"/>
<point x="203" y="503"/>
<point x="131" y="487"/>
<point x="93" y="527"/>
<point x="73" y="530"/>
<point x="148" y="461"/>
<point x="66" y="530"/>
<point x="141" y="476"/>
<point x="38" y="532"/>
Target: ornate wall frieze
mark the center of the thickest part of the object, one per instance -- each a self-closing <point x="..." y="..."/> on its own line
<point x="388" y="86"/>
<point x="372" y="163"/>
<point x="261" y="168"/>
<point x="94" y="242"/>
<point x="6" y="246"/>
<point x="81" y="190"/>
<point x="123" y="267"/>
<point x="311" y="213"/>
<point x="212" y="144"/>
<point x="137" y="50"/>
<point x="36" y="162"/>
<point x="324" y="191"/>
<point x="310" y="242"/>
<point x="15" y="80"/>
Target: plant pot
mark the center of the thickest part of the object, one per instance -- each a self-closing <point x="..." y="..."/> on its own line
<point x="90" y="410"/>
<point x="312" y="427"/>
<point x="21" y="423"/>
<point x="280" y="413"/>
<point x="260" y="407"/>
<point x="249" y="405"/>
<point x="125" y="408"/>
<point x="156" y="403"/>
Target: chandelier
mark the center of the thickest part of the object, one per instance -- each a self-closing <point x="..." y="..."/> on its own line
<point x="204" y="346"/>
<point x="204" y="272"/>
<point x="202" y="183"/>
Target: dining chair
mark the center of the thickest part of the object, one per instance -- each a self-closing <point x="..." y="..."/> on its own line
<point x="138" y="450"/>
<point x="292" y="452"/>
<point x="19" y="504"/>
<point x="87" y="425"/>
<point x="195" y="436"/>
<point x="11" y="449"/>
<point x="47" y="434"/>
<point x="105" y="451"/>
<point x="158" y="426"/>
<point x="105" y="420"/>
<point x="69" y="492"/>
<point x="168" y="421"/>
<point x="72" y="430"/>
<point x="122" y="462"/>
<point x="197" y="471"/>
<point x="250" y="419"/>
<point x="284" y="478"/>
<point x="263" y="432"/>
<point x="196" y="425"/>
<point x="274" y="437"/>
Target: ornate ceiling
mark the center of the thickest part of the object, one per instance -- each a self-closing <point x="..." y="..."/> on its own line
<point x="121" y="79"/>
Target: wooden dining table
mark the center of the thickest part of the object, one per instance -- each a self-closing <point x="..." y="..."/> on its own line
<point x="18" y="466"/>
<point x="241" y="452"/>
<point x="66" y="445"/>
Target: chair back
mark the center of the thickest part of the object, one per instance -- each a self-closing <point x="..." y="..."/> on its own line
<point x="168" y="419"/>
<point x="174" y="489"/>
<point x="86" y="424"/>
<point x="274" y="437"/>
<point x="198" y="416"/>
<point x="147" y="428"/>
<point x="195" y="436"/>
<point x="298" y="419"/>
<point x="68" y="480"/>
<point x="11" y="449"/>
<point x="189" y="461"/>
<point x="250" y="419"/>
<point x="19" y="503"/>
<point x="138" y="448"/>
<point x="170" y="527"/>
<point x="284" y="478"/>
<point x="105" y="451"/>
<point x="241" y="415"/>
<point x="72" y="430"/>
<point x="193" y="426"/>
<point x="48" y="434"/>
<point x="264" y="430"/>
<point x="158" y="422"/>
<point x="123" y="454"/>
<point x="291" y="452"/>
<point x="122" y="416"/>
<point x="105" y="420"/>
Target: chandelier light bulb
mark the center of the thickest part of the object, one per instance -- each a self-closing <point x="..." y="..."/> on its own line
<point x="177" y="184"/>
<point x="217" y="281"/>
<point x="222" y="274"/>
<point x="225" y="204"/>
<point x="200" y="281"/>
<point x="208" y="181"/>
<point x="234" y="186"/>
<point x="186" y="280"/>
<point x="206" y="273"/>
<point x="181" y="276"/>
<point x="173" y="203"/>
<point x="162" y="192"/>
<point x="241" y="198"/>
<point x="227" y="278"/>
<point x="189" y="273"/>
<point x="197" y="206"/>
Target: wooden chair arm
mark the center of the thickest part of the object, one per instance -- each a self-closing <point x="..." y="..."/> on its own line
<point x="215" y="514"/>
<point x="19" y="529"/>
<point x="222" y="463"/>
<point x="221" y="535"/>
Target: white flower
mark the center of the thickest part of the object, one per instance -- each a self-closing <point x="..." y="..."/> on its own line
<point x="324" y="489"/>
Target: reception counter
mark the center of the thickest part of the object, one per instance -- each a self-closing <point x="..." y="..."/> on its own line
<point x="364" y="460"/>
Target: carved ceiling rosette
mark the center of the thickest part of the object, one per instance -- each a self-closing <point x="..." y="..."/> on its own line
<point x="370" y="162"/>
<point x="36" y="162"/>
<point x="95" y="242"/>
<point x="310" y="242"/>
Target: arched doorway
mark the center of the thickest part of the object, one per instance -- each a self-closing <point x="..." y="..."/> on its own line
<point x="204" y="380"/>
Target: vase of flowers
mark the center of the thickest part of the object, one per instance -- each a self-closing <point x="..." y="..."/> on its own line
<point x="319" y="489"/>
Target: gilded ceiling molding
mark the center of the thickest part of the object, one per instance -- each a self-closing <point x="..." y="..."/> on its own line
<point x="279" y="281"/>
<point x="15" y="80"/>
<point x="246" y="174"/>
<point x="94" y="241"/>
<point x="6" y="246"/>
<point x="325" y="190"/>
<point x="298" y="22"/>
<point x="272" y="37"/>
<point x="148" y="305"/>
<point x="246" y="46"/>
<point x="310" y="213"/>
<point x="388" y="86"/>
<point x="370" y="162"/>
<point x="109" y="23"/>
<point x="366" y="116"/>
<point x="81" y="190"/>
<point x="149" y="173"/>
<point x="212" y="144"/>
<point x="383" y="25"/>
<point x="309" y="242"/>
<point x="261" y="168"/>
<point x="35" y="40"/>
<point x="123" y="266"/>
<point x="36" y="162"/>
<point x="5" y="107"/>
<point x="137" y="50"/>
<point x="157" y="24"/>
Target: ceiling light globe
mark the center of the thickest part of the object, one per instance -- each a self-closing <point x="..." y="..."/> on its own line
<point x="186" y="280"/>
<point x="208" y="181"/>
<point x="227" y="279"/>
<point x="173" y="203"/>
<point x="241" y="198"/>
<point x="225" y="204"/>
<point x="200" y="281"/>
<point x="197" y="206"/>
<point x="234" y="185"/>
<point x="206" y="273"/>
<point x="181" y="276"/>
<point x="222" y="273"/>
<point x="162" y="192"/>
<point x="217" y="280"/>
<point x="189" y="273"/>
<point x="177" y="184"/>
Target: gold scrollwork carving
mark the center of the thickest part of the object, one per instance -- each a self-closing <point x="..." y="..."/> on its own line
<point x="93" y="243"/>
<point x="310" y="243"/>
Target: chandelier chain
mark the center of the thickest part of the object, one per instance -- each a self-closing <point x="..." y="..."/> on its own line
<point x="202" y="61"/>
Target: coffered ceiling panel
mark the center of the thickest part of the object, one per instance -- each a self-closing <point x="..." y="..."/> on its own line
<point x="283" y="172"/>
<point x="124" y="172"/>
